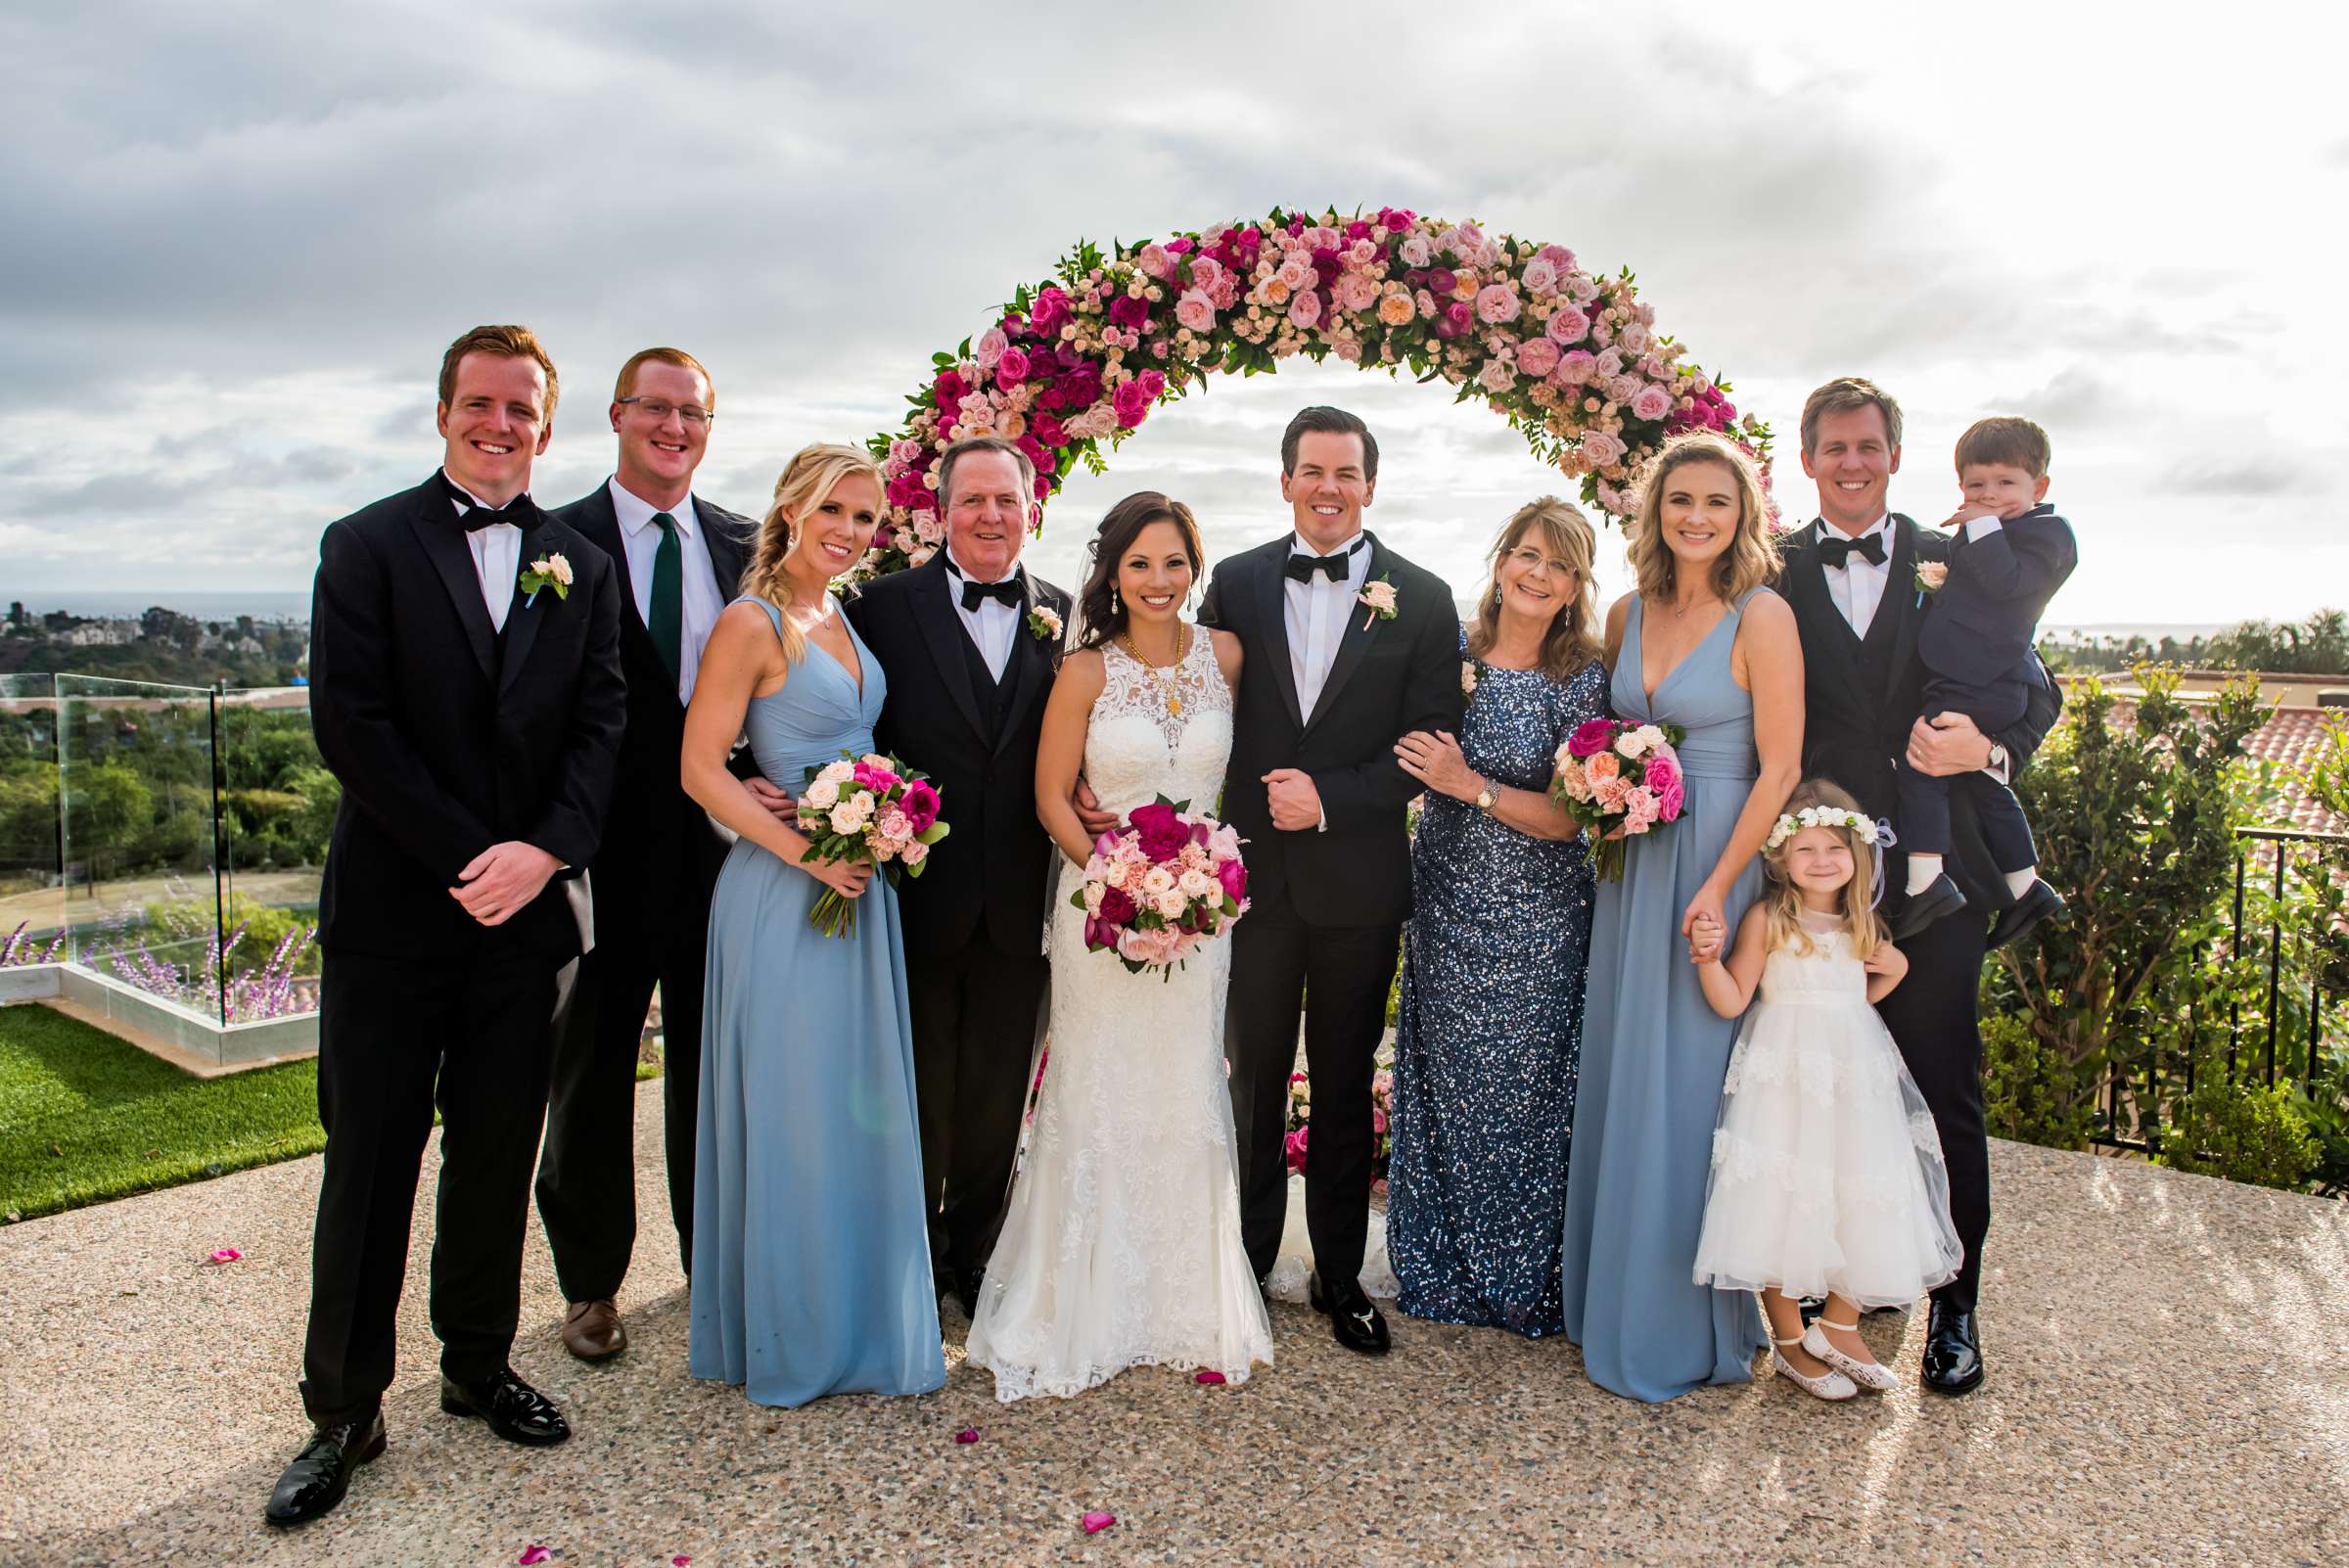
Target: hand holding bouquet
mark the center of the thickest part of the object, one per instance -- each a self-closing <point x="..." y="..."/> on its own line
<point x="1617" y="779"/>
<point x="1155" y="891"/>
<point x="869" y="810"/>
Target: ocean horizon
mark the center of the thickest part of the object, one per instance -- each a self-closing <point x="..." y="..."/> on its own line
<point x="262" y="604"/>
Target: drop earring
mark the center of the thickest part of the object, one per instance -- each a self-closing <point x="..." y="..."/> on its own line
<point x="1115" y="604"/>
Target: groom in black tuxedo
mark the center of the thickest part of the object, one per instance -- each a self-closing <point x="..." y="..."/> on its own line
<point x="1851" y="577"/>
<point x="678" y="560"/>
<point x="968" y="673"/>
<point x="1348" y="648"/>
<point x="466" y="690"/>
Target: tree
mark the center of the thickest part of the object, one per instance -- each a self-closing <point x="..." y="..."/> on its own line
<point x="2136" y="823"/>
<point x="108" y="805"/>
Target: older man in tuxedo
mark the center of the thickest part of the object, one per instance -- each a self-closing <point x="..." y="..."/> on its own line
<point x="679" y="558"/>
<point x="466" y="690"/>
<point x="1850" y="576"/>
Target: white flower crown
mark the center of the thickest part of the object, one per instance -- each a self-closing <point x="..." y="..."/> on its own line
<point x="1793" y="822"/>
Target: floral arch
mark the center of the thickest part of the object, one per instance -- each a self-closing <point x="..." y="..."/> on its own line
<point x="1074" y="365"/>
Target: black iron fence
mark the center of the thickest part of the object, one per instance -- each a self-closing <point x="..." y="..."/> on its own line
<point x="2280" y="953"/>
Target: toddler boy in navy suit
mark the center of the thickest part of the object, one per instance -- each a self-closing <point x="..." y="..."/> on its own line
<point x="2010" y="554"/>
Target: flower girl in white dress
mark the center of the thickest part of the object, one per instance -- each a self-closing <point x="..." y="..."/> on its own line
<point x="1827" y="1178"/>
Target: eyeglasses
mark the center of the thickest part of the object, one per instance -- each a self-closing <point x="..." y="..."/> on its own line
<point x="1531" y="558"/>
<point x="660" y="408"/>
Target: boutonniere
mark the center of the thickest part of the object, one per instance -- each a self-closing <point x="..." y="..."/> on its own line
<point x="1044" y="624"/>
<point x="548" y="572"/>
<point x="1930" y="575"/>
<point x="1380" y="597"/>
<point x="1473" y="670"/>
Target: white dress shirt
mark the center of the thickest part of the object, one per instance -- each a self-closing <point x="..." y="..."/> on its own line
<point x="1857" y="585"/>
<point x="1314" y="613"/>
<point x="496" y="555"/>
<point x="703" y="599"/>
<point x="992" y="625"/>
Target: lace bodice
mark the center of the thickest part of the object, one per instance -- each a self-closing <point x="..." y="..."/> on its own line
<point x="1137" y="748"/>
<point x="1829" y="972"/>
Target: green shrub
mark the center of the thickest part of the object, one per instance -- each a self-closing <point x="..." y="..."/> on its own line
<point x="2241" y="1131"/>
<point x="2028" y="1092"/>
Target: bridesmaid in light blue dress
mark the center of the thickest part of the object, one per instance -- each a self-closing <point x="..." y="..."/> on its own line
<point x="1653" y="1051"/>
<point x="810" y="1258"/>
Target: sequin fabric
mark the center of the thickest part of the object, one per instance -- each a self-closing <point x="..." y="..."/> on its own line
<point x="1491" y="1029"/>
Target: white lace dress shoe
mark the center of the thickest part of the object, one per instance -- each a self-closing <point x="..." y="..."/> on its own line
<point x="1874" y="1376"/>
<point x="1830" y="1385"/>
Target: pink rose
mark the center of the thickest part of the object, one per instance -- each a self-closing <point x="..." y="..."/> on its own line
<point x="1624" y="388"/>
<point x="1195" y="310"/>
<point x="1600" y="448"/>
<point x="919" y="803"/>
<point x="989" y="346"/>
<point x="1575" y="367"/>
<point x="1295" y="273"/>
<point x="1591" y="737"/>
<point x="1567" y="326"/>
<point x="1356" y="292"/>
<point x="1131" y="403"/>
<point x="1640" y="808"/>
<point x="1206" y="274"/>
<point x="1537" y="357"/>
<point x="1653" y="402"/>
<point x="1293" y="1149"/>
<point x="1670" y="800"/>
<point x="1152" y="260"/>
<point x="1496" y="304"/>
<point x="1415" y="250"/>
<point x="1540" y="277"/>
<point x="1497" y="376"/>
<point x="1011" y="366"/>
<point x="1306" y="308"/>
<point x="1557" y="255"/>
<point x="896" y="824"/>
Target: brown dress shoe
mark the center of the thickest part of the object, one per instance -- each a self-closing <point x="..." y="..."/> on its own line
<point x="591" y="1330"/>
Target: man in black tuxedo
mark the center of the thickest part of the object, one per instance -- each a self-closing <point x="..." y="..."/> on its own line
<point x="1850" y="575"/>
<point x="466" y="690"/>
<point x="679" y="561"/>
<point x="1349" y="647"/>
<point x="968" y="673"/>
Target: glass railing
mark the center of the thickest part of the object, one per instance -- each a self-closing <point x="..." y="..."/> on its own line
<point x="185" y="832"/>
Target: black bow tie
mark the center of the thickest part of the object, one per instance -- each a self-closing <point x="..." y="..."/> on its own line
<point x="1836" y="551"/>
<point x="1301" y="566"/>
<point x="477" y="516"/>
<point x="1005" y="593"/>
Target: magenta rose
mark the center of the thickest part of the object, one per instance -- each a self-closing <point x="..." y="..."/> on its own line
<point x="950" y="390"/>
<point x="1153" y="383"/>
<point x="1117" y="905"/>
<point x="920" y="805"/>
<point x="1293" y="1146"/>
<point x="1131" y="403"/>
<point x="1047" y="427"/>
<point x="1662" y="769"/>
<point x="1233" y="875"/>
<point x="1594" y="736"/>
<point x="880" y="780"/>
<point x="1163" y="833"/>
<point x="1670" y="800"/>
<point x="1050" y="312"/>
<point x="1011" y="367"/>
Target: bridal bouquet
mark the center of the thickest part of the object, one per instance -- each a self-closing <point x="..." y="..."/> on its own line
<point x="871" y="809"/>
<point x="1615" y="776"/>
<point x="1158" y="890"/>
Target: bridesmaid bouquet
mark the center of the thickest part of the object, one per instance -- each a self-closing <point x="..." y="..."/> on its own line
<point x="1616" y="775"/>
<point x="871" y="809"/>
<point x="1168" y="884"/>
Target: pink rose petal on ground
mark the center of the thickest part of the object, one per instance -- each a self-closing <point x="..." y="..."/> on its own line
<point x="223" y="1255"/>
<point x="1096" y="1521"/>
<point x="680" y="1560"/>
<point x="1209" y="1377"/>
<point x="533" y="1553"/>
<point x="969" y="1434"/>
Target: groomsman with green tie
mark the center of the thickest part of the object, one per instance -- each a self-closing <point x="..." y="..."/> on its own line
<point x="682" y="560"/>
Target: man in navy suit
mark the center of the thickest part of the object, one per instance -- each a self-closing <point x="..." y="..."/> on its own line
<point x="466" y="690"/>
<point x="680" y="560"/>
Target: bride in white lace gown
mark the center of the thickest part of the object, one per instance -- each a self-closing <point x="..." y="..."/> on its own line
<point x="1121" y="1247"/>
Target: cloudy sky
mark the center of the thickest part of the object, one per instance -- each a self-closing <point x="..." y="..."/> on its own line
<point x="237" y="236"/>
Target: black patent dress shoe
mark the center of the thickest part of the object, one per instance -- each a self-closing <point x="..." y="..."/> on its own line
<point x="2037" y="902"/>
<point x="1928" y="903"/>
<point x="321" y="1472"/>
<point x="1952" y="1350"/>
<point x="1354" y="1321"/>
<point x="515" y="1411"/>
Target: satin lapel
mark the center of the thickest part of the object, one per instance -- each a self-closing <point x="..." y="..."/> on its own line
<point x="445" y="547"/>
<point x="941" y="628"/>
<point x="1273" y="610"/>
<point x="1900" y="598"/>
<point x="1026" y="668"/>
<point x="527" y="610"/>
<point x="1354" y="645"/>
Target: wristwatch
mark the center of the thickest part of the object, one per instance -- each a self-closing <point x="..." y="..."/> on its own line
<point x="1996" y="766"/>
<point x="1486" y="796"/>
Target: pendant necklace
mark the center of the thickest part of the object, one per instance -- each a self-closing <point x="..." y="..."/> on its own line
<point x="1182" y="646"/>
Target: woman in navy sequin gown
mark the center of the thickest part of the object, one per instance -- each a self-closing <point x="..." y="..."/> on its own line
<point x="1491" y="1029"/>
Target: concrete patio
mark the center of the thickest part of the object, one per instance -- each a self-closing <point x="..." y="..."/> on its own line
<point x="2170" y="1385"/>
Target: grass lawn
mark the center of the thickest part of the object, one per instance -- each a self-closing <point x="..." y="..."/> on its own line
<point x="84" y="1117"/>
